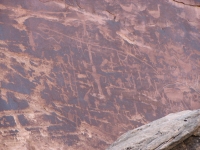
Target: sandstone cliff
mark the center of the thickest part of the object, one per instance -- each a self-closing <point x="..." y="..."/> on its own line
<point x="76" y="74"/>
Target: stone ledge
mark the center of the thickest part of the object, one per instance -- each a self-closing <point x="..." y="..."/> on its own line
<point x="164" y="133"/>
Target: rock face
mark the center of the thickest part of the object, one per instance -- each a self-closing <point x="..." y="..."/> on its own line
<point x="178" y="131"/>
<point x="76" y="74"/>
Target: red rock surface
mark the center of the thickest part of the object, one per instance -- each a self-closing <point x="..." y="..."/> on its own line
<point x="76" y="74"/>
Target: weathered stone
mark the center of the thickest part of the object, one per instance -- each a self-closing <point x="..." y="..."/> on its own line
<point x="197" y="133"/>
<point x="194" y="3"/>
<point x="192" y="143"/>
<point x="163" y="134"/>
<point x="76" y="74"/>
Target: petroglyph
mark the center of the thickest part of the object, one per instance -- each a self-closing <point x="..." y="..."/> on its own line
<point x="77" y="74"/>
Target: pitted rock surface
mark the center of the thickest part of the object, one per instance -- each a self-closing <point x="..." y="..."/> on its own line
<point x="76" y="74"/>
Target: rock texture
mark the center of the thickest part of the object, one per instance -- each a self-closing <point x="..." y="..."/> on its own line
<point x="192" y="143"/>
<point x="166" y="133"/>
<point x="194" y="3"/>
<point x="76" y="74"/>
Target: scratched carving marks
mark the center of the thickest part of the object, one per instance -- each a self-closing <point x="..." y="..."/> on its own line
<point x="77" y="74"/>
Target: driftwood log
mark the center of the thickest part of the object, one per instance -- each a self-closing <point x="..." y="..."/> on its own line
<point x="165" y="133"/>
